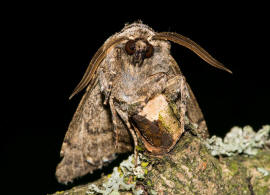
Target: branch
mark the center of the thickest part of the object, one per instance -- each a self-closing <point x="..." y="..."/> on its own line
<point x="191" y="168"/>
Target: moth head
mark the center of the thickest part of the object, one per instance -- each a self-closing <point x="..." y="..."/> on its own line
<point x="139" y="49"/>
<point x="137" y="46"/>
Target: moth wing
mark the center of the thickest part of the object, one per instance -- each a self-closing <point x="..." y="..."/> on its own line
<point x="195" y="114"/>
<point x="89" y="142"/>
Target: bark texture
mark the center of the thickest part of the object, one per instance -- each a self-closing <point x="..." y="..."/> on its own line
<point x="190" y="169"/>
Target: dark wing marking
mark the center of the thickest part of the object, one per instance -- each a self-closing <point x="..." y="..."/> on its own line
<point x="89" y="142"/>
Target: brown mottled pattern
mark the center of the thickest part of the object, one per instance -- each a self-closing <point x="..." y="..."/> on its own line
<point x="89" y="141"/>
<point x="120" y="84"/>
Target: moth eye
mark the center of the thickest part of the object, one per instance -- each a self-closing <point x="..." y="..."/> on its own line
<point x="149" y="51"/>
<point x="130" y="47"/>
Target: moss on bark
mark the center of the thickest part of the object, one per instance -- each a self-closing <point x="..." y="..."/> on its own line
<point x="190" y="169"/>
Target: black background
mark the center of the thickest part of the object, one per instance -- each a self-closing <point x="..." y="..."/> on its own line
<point x="49" y="46"/>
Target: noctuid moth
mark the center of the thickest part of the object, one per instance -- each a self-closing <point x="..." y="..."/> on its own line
<point x="131" y="84"/>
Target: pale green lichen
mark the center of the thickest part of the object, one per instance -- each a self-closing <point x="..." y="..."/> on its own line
<point x="153" y="192"/>
<point x="120" y="178"/>
<point x="239" y="141"/>
<point x="263" y="171"/>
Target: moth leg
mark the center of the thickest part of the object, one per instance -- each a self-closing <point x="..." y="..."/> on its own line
<point x="114" y="121"/>
<point x="183" y="103"/>
<point x="179" y="86"/>
<point x="154" y="85"/>
<point x="124" y="117"/>
<point x="107" y="94"/>
<point x="177" y="91"/>
<point x="194" y="112"/>
<point x="195" y="115"/>
<point x="106" y="87"/>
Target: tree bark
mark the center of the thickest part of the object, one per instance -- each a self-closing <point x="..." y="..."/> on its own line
<point x="190" y="169"/>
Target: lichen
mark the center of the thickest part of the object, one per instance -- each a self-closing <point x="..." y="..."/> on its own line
<point x="59" y="192"/>
<point x="168" y="120"/>
<point x="123" y="177"/>
<point x="263" y="171"/>
<point x="190" y="169"/>
<point x="239" y="141"/>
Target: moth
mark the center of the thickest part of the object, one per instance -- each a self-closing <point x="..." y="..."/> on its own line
<point x="128" y="82"/>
